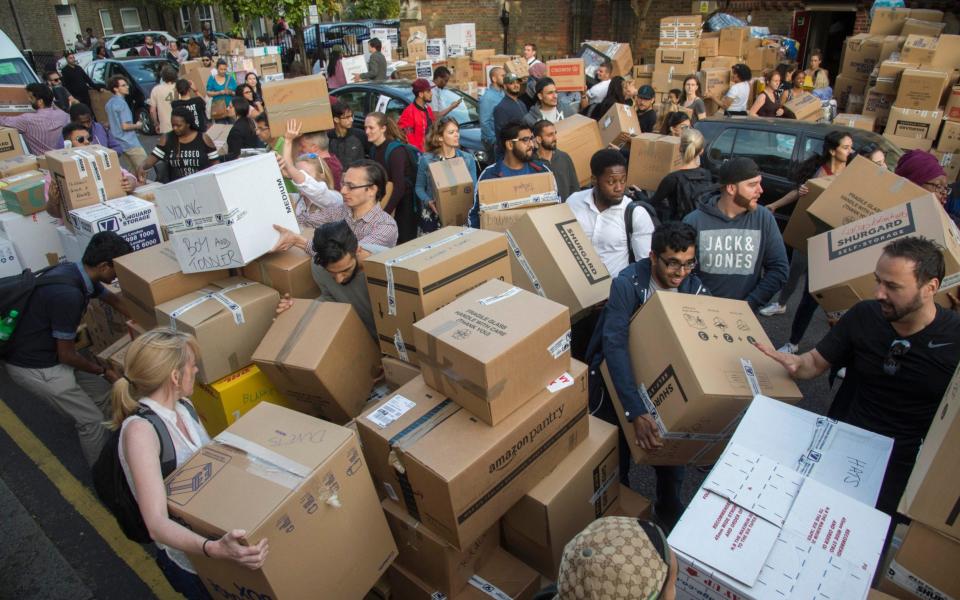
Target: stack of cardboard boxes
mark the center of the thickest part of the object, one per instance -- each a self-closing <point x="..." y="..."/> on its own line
<point x="679" y="51"/>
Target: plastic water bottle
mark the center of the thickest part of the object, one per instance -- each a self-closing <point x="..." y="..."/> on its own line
<point x="8" y="324"/>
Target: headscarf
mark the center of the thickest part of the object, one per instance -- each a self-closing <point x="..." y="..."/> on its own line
<point x="919" y="166"/>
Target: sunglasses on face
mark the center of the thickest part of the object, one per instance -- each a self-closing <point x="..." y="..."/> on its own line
<point x="82" y="139"/>
<point x="898" y="349"/>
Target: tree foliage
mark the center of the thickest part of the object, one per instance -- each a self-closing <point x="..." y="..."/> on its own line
<point x="374" y="9"/>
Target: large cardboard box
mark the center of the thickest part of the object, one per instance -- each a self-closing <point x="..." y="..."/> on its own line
<point x="951" y="109"/>
<point x="911" y="123"/>
<point x="14" y="100"/>
<point x="452" y="190"/>
<point x="846" y="200"/>
<point x="503" y="220"/>
<point x="668" y="77"/>
<point x="860" y="54"/>
<point x="918" y="27"/>
<point x="925" y="565"/>
<point x="619" y="54"/>
<point x="133" y="219"/>
<point x="397" y="373"/>
<point x="631" y="504"/>
<point x="517" y="65"/>
<point x="34" y="238"/>
<point x="876" y="104"/>
<point x="949" y="140"/>
<point x="288" y="272"/>
<point x="584" y="487"/>
<point x="229" y="317"/>
<point x="469" y="349"/>
<point x="429" y="557"/>
<point x="709" y="45"/>
<point x="568" y="73"/>
<point x="950" y="161"/>
<point x="652" y="157"/>
<point x="719" y="62"/>
<point x="919" y="50"/>
<point x="855" y="121"/>
<point x="801" y="227"/>
<point x="843" y="260"/>
<point x="222" y="402"/>
<point x="519" y="191"/>
<point x="579" y="136"/>
<point x="733" y="41"/>
<point x="10" y="144"/>
<point x="683" y="59"/>
<point x="302" y="98"/>
<point x="501" y="577"/>
<point x="889" y="73"/>
<point x="462" y="36"/>
<point x="922" y="89"/>
<point x="551" y="256"/>
<point x="458" y="476"/>
<point x="223" y="217"/>
<point x="412" y="280"/>
<point x="24" y="196"/>
<point x="844" y="86"/>
<point x="196" y="73"/>
<point x="85" y="175"/>
<point x="909" y="143"/>
<point x="762" y="58"/>
<point x="888" y="21"/>
<point x="697" y="368"/>
<point x="304" y="486"/>
<point x="103" y="323"/>
<point x="317" y="353"/>
<point x="618" y="125"/>
<point x="714" y="82"/>
<point x="891" y="44"/>
<point x="806" y="107"/>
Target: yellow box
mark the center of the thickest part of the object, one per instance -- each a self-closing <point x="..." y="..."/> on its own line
<point x="224" y="401"/>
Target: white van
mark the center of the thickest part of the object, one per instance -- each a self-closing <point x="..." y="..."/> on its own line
<point x="14" y="69"/>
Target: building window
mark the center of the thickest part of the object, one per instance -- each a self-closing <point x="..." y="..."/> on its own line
<point x="205" y="12"/>
<point x="106" y="21"/>
<point x="186" y="23"/>
<point x="130" y="19"/>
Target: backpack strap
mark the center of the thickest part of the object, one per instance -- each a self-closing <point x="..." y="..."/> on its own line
<point x="168" y="453"/>
<point x="628" y="222"/>
<point x="190" y="409"/>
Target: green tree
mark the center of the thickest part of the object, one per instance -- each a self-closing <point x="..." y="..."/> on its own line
<point x="374" y="9"/>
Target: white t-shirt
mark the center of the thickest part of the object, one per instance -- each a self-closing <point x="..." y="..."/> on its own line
<point x="740" y="94"/>
<point x="608" y="232"/>
<point x="598" y="92"/>
<point x="554" y="115"/>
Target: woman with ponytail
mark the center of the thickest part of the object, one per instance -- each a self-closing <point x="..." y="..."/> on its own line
<point x="159" y="371"/>
<point x="680" y="191"/>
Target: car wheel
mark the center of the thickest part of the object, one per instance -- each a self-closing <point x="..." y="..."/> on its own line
<point x="146" y="125"/>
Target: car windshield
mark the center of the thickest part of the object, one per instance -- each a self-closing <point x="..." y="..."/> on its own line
<point x="146" y="71"/>
<point x="14" y="71"/>
<point x="468" y="111"/>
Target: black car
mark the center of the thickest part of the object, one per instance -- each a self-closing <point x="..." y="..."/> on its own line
<point x="392" y="97"/>
<point x="350" y="36"/>
<point x="778" y="146"/>
<point x="142" y="73"/>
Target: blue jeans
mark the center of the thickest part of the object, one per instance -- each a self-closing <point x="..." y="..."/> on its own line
<point x="184" y="582"/>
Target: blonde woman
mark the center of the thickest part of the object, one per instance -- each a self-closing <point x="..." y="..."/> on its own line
<point x="680" y="191"/>
<point x="160" y="367"/>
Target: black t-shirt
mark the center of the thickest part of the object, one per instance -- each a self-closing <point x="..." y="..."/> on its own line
<point x="648" y="120"/>
<point x="901" y="405"/>
<point x="53" y="312"/>
<point x="199" y="109"/>
<point x="185" y="158"/>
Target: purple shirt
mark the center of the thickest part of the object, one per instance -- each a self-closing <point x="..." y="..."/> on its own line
<point x="101" y="137"/>
<point x="42" y="129"/>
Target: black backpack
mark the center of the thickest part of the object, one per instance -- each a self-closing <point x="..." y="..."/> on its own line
<point x="689" y="194"/>
<point x="628" y="220"/>
<point x="413" y="159"/>
<point x="111" y="484"/>
<point x="15" y="292"/>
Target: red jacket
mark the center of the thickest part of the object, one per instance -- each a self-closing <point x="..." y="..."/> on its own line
<point x="414" y="122"/>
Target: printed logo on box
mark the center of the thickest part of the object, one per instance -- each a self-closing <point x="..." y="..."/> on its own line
<point x="190" y="480"/>
<point x="579" y="252"/>
<point x="664" y="386"/>
<point x="875" y="229"/>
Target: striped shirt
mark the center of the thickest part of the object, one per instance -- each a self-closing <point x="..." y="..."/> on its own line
<point x="42" y="129"/>
<point x="319" y="204"/>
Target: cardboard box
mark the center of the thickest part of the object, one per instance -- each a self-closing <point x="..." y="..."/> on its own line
<point x="452" y="190"/>
<point x="303" y="481"/>
<point x="806" y="107"/>
<point x="715" y="82"/>
<point x="926" y="28"/>
<point x="133" y="219"/>
<point x="152" y="276"/>
<point x="950" y="161"/>
<point x="302" y="98"/>
<point x="925" y="565"/>
<point x="502" y="220"/>
<point x="889" y="73"/>
<point x="196" y="73"/>
<point x="919" y="50"/>
<point x="709" y="45"/>
<point x="844" y="86"/>
<point x="517" y="65"/>
<point x="668" y="77"/>
<point x="148" y="191"/>
<point x="436" y="49"/>
<point x="104" y="324"/>
<point x="229" y="317"/>
<point x="921" y="89"/>
<point x="584" y="487"/>
<point x="952" y="105"/>
<point x="317" y="353"/>
<point x="15" y="165"/>
<point x="618" y="125"/>
<point x="762" y="58"/>
<point x="25" y="196"/>
<point x="909" y="143"/>
<point x="34" y="237"/>
<point x="891" y="44"/>
<point x="502" y="576"/>
<point x="877" y="104"/>
<point x="861" y="53"/>
<point x="949" y="140"/>
<point x="631" y="504"/>
<point x="683" y="59"/>
<point x="619" y="54"/>
<point x="469" y="349"/>
<point x="843" y="260"/>
<point x="579" y="136"/>
<point x="9" y="263"/>
<point x="551" y="256"/>
<point x="288" y="272"/>
<point x="221" y="403"/>
<point x="412" y="280"/>
<point x="397" y="373"/>
<point x="14" y="100"/>
<point x="801" y="226"/>
<point x="458" y="476"/>
<point x="910" y="123"/>
<point x="430" y="558"/>
<point x="10" y="145"/>
<point x="733" y="41"/>
<point x="855" y="121"/>
<point x="568" y="73"/>
<point x="230" y="46"/>
<point x="223" y="216"/>
<point x="652" y="157"/>
<point x="697" y="407"/>
<point x="888" y="21"/>
<point x="719" y="62"/>
<point x="846" y="200"/>
<point x="518" y="191"/>
<point x="85" y="175"/>
<point x="461" y="36"/>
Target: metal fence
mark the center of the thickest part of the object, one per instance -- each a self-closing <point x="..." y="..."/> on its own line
<point x="42" y="61"/>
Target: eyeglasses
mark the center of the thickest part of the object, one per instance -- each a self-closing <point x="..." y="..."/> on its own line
<point x="940" y="190"/>
<point x="82" y="139"/>
<point x="524" y="140"/>
<point x="351" y="187"/>
<point x="676" y="266"/>
<point x="346" y="116"/>
<point x="898" y="349"/>
<point x="57" y="80"/>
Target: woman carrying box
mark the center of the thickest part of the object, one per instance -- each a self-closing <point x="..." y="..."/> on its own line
<point x="443" y="143"/>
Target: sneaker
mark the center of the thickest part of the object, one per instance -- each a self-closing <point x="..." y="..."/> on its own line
<point x="788" y="348"/>
<point x="774" y="308"/>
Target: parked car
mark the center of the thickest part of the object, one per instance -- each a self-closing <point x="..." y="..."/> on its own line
<point x="778" y="146"/>
<point x="396" y="95"/>
<point x="142" y="73"/>
<point x="197" y="36"/>
<point x="118" y="44"/>
<point x="328" y="35"/>
<point x="14" y="69"/>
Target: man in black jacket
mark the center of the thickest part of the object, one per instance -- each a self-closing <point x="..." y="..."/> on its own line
<point x="347" y="143"/>
<point x="76" y="80"/>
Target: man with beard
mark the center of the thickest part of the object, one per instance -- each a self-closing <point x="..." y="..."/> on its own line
<point x="41" y="128"/>
<point x="740" y="251"/>
<point x="511" y="109"/>
<point x="76" y="80"/>
<point x="517" y="143"/>
<point x="900" y="351"/>
<point x="558" y="161"/>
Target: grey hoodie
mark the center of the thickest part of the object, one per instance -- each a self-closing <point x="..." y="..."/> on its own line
<point x="742" y="258"/>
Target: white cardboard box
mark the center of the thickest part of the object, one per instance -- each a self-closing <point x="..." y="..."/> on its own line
<point x="34" y="237"/>
<point x="9" y="263"/>
<point x="353" y="65"/>
<point x="437" y="49"/>
<point x="223" y="216"/>
<point x="461" y="38"/>
<point x="135" y="220"/>
<point x="73" y="244"/>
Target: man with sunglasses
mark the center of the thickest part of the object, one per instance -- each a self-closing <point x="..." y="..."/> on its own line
<point x="81" y="115"/>
<point x="669" y="267"/>
<point x="61" y="97"/>
<point x="900" y="351"/>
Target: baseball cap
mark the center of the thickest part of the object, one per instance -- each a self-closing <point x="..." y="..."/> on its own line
<point x="420" y="85"/>
<point x="738" y="169"/>
<point x="510" y="78"/>
<point x="646" y="92"/>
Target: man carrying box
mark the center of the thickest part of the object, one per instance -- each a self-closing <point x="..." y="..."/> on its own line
<point x="41" y="128"/>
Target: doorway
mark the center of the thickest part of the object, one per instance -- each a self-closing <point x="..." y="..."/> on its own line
<point x="826" y="30"/>
<point x="69" y="24"/>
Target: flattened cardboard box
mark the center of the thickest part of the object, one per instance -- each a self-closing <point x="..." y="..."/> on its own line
<point x="652" y="157"/>
<point x="229" y="317"/>
<point x="551" y="256"/>
<point x="302" y="98"/>
<point x="501" y="577"/>
<point x="688" y="356"/>
<point x="925" y="565"/>
<point x="579" y="136"/>
<point x="304" y="484"/>
<point x="470" y="348"/>
<point x="457" y="475"/>
<point x="85" y="175"/>
<point x="316" y="353"/>
<point x="452" y="190"/>
<point x="801" y="226"/>
<point x="584" y="487"/>
<point x="618" y="125"/>
<point x="507" y="193"/>
<point x="414" y="279"/>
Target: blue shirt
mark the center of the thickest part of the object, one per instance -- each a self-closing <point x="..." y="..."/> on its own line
<point x="489" y="101"/>
<point x="118" y="113"/>
<point x="499" y="169"/>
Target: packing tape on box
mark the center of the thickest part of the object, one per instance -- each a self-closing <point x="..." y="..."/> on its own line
<point x="84" y="157"/>
<point x="220" y="296"/>
<point x="751" y="376"/>
<point x="388" y="266"/>
<point x="913" y="584"/>
<point x="449" y="375"/>
<point x="201" y="222"/>
<point x="614" y="477"/>
<point x="297" y="332"/>
<point x="267" y="460"/>
<point x="544" y="198"/>
<point x="525" y="264"/>
<point x="488" y="301"/>
<point x="400" y="346"/>
<point x="560" y="345"/>
<point x="488" y="588"/>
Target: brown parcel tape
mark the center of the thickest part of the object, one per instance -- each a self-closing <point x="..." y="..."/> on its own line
<point x="579" y="136"/>
<point x="933" y="491"/>
<point x="846" y="200"/>
<point x="303" y="98"/>
<point x="452" y="190"/>
<point x="551" y="256"/>
<point x="299" y="482"/>
<point x="86" y="176"/>
<point x="10" y="144"/>
<point x="429" y="557"/>
<point x="922" y="89"/>
<point x="584" y="487"/>
<point x="618" y="125"/>
<point x="502" y="576"/>
<point x="458" y="476"/>
<point x="801" y="226"/>
<point x="288" y="272"/>
<point x="410" y="281"/>
<point x="15" y="165"/>
<point x="916" y="124"/>
<point x="843" y="260"/>
<point x="568" y="74"/>
<point x="507" y="193"/>
<point x="652" y="157"/>
<point x="687" y="353"/>
<point x="229" y="317"/>
<point x="152" y="276"/>
<point x="925" y="565"/>
<point x="319" y="353"/>
<point x="470" y="348"/>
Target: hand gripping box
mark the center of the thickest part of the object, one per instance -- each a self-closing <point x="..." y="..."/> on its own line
<point x="520" y="191"/>
<point x="303" y="98"/>
<point x="470" y="348"/>
<point x="223" y="216"/>
<point x="697" y="371"/>
<point x="412" y="280"/>
<point x="300" y="482"/>
<point x="133" y="219"/>
<point x="452" y="190"/>
<point x="618" y="125"/>
<point x="85" y="175"/>
<point x="457" y="475"/>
